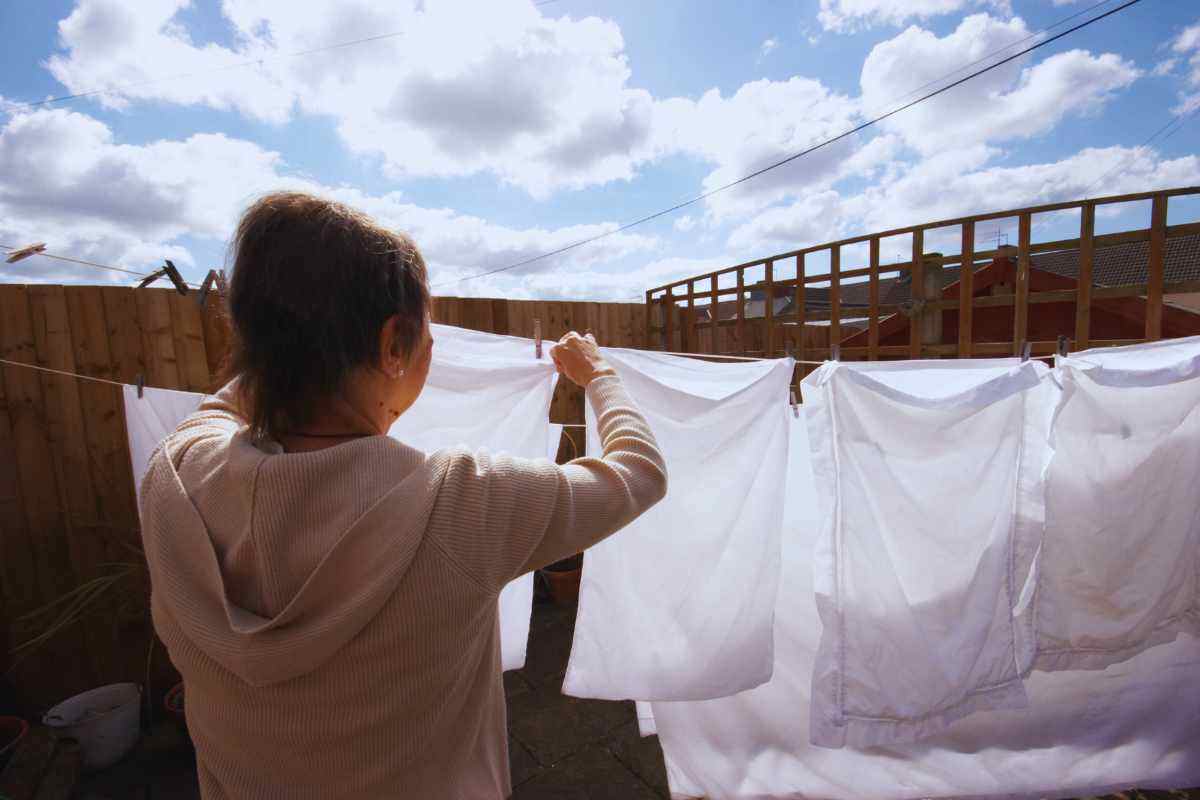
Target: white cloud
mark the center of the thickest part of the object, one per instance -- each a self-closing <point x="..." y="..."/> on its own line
<point x="65" y="180"/>
<point x="919" y="193"/>
<point x="761" y="123"/>
<point x="1187" y="44"/>
<point x="1164" y="67"/>
<point x="767" y="46"/>
<point x="685" y="223"/>
<point x="1009" y="102"/>
<point x="851" y="15"/>
<point x="540" y="103"/>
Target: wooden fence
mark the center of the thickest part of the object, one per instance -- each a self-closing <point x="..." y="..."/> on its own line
<point x="680" y="319"/>
<point x="67" y="506"/>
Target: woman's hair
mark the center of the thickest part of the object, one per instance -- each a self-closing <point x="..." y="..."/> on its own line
<point x="313" y="284"/>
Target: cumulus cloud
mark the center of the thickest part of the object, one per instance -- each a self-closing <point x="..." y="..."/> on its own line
<point x="767" y="46"/>
<point x="541" y="103"/>
<point x="918" y="194"/>
<point x="762" y="122"/>
<point x="64" y="179"/>
<point x="850" y="15"/>
<point x="1187" y="45"/>
<point x="1009" y="102"/>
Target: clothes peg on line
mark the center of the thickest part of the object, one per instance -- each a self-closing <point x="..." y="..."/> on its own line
<point x="205" y="287"/>
<point x="1026" y="349"/>
<point x="795" y="405"/>
<point x="1062" y="346"/>
<point x="168" y="271"/>
<point x="537" y="339"/>
<point x="26" y="251"/>
<point x="835" y="353"/>
<point x="141" y="384"/>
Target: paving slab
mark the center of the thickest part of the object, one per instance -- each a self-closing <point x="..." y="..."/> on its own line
<point x="642" y="756"/>
<point x="593" y="773"/>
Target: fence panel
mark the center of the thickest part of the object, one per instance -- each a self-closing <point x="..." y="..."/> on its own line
<point x="67" y="504"/>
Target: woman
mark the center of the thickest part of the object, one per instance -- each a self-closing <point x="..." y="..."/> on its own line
<point x="328" y="593"/>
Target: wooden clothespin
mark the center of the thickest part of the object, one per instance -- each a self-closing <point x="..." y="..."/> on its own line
<point x="141" y="384"/>
<point x="835" y="353"/>
<point x="1062" y="346"/>
<point x="168" y="271"/>
<point x="537" y="339"/>
<point x="795" y="405"/>
<point x="26" y="251"/>
<point x="1026" y="349"/>
<point x="205" y="287"/>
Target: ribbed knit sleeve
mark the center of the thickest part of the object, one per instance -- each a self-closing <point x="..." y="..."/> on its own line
<point x="498" y="517"/>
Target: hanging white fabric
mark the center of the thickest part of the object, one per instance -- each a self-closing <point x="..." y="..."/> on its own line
<point x="1084" y="733"/>
<point x="1120" y="567"/>
<point x="930" y="479"/>
<point x="487" y="392"/>
<point x="679" y="604"/>
<point x="484" y="390"/>
<point x="149" y="419"/>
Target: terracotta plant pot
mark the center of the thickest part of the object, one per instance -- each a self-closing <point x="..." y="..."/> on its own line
<point x="562" y="579"/>
<point x="173" y="703"/>
<point x="12" y="731"/>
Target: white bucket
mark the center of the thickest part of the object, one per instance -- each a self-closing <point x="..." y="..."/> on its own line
<point x="105" y="721"/>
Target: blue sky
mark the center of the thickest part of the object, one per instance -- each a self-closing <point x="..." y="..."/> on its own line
<point x="495" y="131"/>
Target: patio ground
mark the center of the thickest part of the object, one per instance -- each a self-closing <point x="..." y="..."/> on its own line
<point x="560" y="747"/>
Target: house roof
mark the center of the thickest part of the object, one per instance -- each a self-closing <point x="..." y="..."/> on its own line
<point x="1115" y="265"/>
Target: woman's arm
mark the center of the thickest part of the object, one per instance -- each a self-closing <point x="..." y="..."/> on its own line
<point x="598" y="496"/>
<point x="499" y="517"/>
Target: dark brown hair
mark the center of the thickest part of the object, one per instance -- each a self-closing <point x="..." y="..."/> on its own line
<point x="313" y="284"/>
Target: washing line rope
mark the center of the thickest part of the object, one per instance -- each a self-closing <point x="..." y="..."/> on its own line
<point x="92" y="264"/>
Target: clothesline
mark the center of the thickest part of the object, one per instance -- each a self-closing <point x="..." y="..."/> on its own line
<point x="756" y="358"/>
<point x="98" y="379"/>
<point x="119" y="383"/>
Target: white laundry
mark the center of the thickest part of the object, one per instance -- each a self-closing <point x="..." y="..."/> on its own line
<point x="1120" y="567"/>
<point x="929" y="475"/>
<point x="645" y="718"/>
<point x="149" y="419"/>
<point x="1084" y="733"/>
<point x="487" y="392"/>
<point x="679" y="605"/>
<point x="483" y="390"/>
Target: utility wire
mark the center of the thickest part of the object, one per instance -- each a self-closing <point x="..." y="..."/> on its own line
<point x="1176" y="122"/>
<point x="795" y="156"/>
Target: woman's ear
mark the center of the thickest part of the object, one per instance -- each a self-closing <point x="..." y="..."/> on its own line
<point x="391" y="359"/>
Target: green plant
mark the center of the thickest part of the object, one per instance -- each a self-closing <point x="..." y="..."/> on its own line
<point x="73" y="607"/>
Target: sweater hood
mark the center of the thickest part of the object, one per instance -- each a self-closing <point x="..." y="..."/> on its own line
<point x="270" y="563"/>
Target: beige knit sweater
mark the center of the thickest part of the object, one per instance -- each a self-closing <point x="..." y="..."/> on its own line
<point x="334" y="613"/>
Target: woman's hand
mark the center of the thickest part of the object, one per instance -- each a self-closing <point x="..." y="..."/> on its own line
<point x="579" y="359"/>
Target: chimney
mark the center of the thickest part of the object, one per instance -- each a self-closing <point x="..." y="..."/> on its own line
<point x="1006" y="265"/>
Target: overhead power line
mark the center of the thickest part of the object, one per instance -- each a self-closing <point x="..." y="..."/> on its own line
<point x="1174" y="125"/>
<point x="856" y="129"/>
